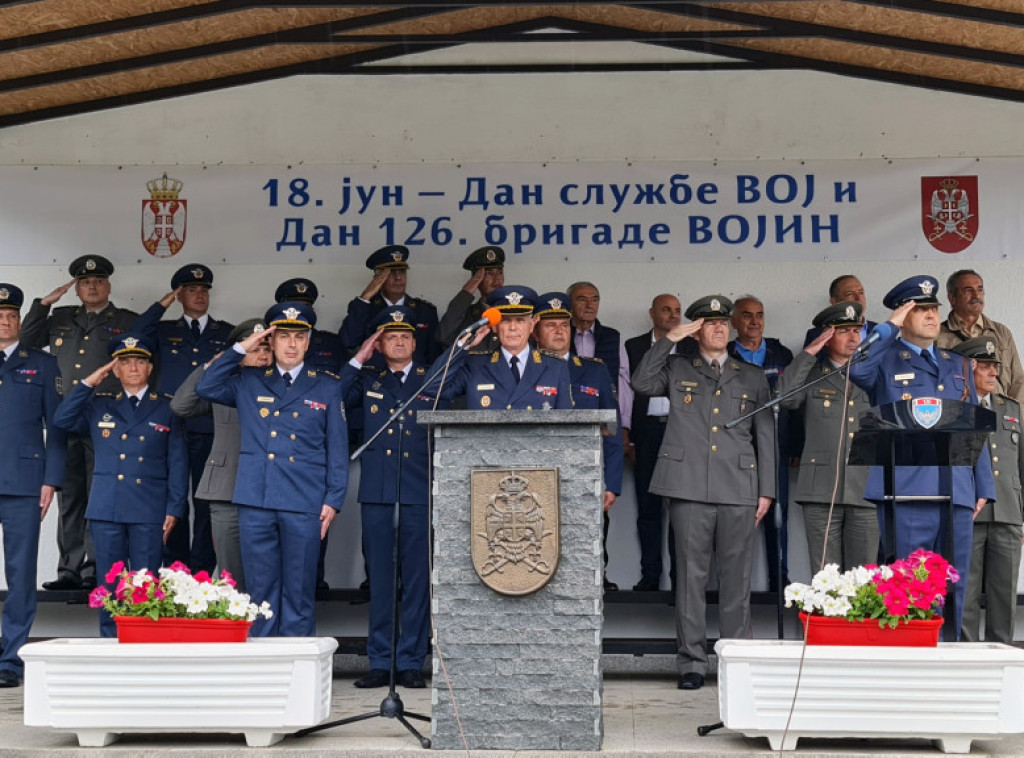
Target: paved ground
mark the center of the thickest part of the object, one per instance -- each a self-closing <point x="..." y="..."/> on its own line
<point x="644" y="715"/>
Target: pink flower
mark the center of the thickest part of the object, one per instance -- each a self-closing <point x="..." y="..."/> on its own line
<point x="179" y="566"/>
<point x="96" y="597"/>
<point x="228" y="579"/>
<point x="121" y="592"/>
<point x="139" y="595"/>
<point x="202" y="576"/>
<point x="114" y="572"/>
<point x="159" y="594"/>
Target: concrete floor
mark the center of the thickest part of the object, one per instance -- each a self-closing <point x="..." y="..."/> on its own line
<point x="644" y="715"/>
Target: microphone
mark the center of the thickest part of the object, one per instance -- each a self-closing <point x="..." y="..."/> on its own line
<point x="490" y="318"/>
<point x="863" y="347"/>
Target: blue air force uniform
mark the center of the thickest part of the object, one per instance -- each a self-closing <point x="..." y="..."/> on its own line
<point x="29" y="397"/>
<point x="141" y="473"/>
<point x="374" y="393"/>
<point x="487" y="379"/>
<point x="179" y="352"/>
<point x="292" y="462"/>
<point x="895" y="370"/>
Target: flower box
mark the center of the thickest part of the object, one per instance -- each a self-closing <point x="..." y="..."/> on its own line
<point x="952" y="694"/>
<point x="265" y="688"/>
<point x="825" y="630"/>
<point x="142" y="629"/>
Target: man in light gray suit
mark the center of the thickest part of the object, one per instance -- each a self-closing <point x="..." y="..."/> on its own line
<point x="996" y="545"/>
<point x="218" y="481"/>
<point x="719" y="482"/>
<point x="831" y="410"/>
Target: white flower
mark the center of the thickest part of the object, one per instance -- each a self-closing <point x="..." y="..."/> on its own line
<point x="197" y="605"/>
<point x="835" y="606"/>
<point x="238" y="607"/>
<point x="140" y="578"/>
<point x="827" y="578"/>
<point x="265" y="610"/>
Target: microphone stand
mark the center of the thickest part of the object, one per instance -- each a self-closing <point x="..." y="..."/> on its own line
<point x="391" y="706"/>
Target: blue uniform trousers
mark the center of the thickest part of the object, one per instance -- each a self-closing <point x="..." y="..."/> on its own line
<point x="19" y="518"/>
<point x="279" y="554"/>
<point x="922" y="525"/>
<point x="140" y="546"/>
<point x="414" y="561"/>
<point x="200" y="556"/>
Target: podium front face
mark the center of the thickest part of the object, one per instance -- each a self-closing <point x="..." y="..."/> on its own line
<point x="517" y="581"/>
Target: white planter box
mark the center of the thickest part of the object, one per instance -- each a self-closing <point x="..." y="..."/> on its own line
<point x="100" y="689"/>
<point x="952" y="694"/>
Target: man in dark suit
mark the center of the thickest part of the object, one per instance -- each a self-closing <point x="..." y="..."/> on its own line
<point x="217" y="485"/>
<point x="390" y="267"/>
<point x="183" y="344"/>
<point x="31" y="471"/>
<point x="293" y="468"/>
<point x="487" y="273"/>
<point x="591" y="389"/>
<point x="140" y="485"/>
<point x="374" y="392"/>
<point x="591" y="338"/>
<point x="719" y="482"/>
<point x="905" y="364"/>
<point x="643" y="422"/>
<point x="831" y="411"/>
<point x="78" y="336"/>
<point x="512" y="377"/>
<point x="996" y="548"/>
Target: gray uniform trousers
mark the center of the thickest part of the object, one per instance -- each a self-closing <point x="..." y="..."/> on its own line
<point x="996" y="546"/>
<point x="713" y="477"/>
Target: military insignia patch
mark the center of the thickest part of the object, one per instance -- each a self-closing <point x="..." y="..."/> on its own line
<point x="485" y="401"/>
<point x="926" y="411"/>
<point x="374" y="408"/>
<point x="264" y="412"/>
<point x="106" y="433"/>
<point x="514" y="519"/>
<point x="58" y="342"/>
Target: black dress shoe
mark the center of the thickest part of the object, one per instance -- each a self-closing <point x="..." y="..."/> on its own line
<point x="646" y="584"/>
<point x="610" y="586"/>
<point x="691" y="681"/>
<point x="376" y="678"/>
<point x="62" y="583"/>
<point x="89" y="583"/>
<point x="8" y="679"/>
<point x="411" y="679"/>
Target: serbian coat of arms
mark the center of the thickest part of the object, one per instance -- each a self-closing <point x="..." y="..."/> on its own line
<point x="949" y="211"/>
<point x="164" y="216"/>
<point x="515" y="528"/>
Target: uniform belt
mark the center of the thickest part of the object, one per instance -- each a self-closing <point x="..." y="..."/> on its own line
<point x="659" y="419"/>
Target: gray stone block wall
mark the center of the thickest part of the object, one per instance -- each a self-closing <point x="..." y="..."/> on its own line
<point x="518" y="673"/>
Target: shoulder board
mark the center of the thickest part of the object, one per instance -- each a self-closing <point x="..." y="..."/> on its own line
<point x="585" y="359"/>
<point x="107" y="394"/>
<point x="368" y="368"/>
<point x="549" y="353"/>
<point x="325" y="372"/>
<point x="167" y="395"/>
<point x="576" y="360"/>
<point x="537" y="357"/>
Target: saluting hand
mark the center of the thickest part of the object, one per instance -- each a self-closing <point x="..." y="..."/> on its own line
<point x="474" y="281"/>
<point x="375" y="284"/>
<point x="815" y="346"/>
<point x="168" y="300"/>
<point x="57" y="294"/>
<point x="365" y="351"/>
<point x="250" y="342"/>
<point x="327" y="514"/>
<point x="682" y="331"/>
<point x="96" y="377"/>
<point x="900" y="314"/>
<point x="481" y="333"/>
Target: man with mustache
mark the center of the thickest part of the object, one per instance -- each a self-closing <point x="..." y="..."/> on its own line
<point x="966" y="292"/>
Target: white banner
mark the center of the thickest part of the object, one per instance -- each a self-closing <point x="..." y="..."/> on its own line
<point x="827" y="210"/>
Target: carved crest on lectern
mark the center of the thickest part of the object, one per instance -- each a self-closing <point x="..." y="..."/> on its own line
<point x="515" y="528"/>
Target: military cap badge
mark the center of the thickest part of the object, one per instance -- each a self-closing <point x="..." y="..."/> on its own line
<point x="491" y="256"/>
<point x="258" y="328"/>
<point x="396" y="256"/>
<point x="397" y="316"/>
<point x="514" y="298"/>
<point x="4" y="294"/>
<point x="301" y="288"/>
<point x="291" y="313"/>
<point x="555" y="303"/>
<point x="850" y="312"/>
<point x="990" y="348"/>
<point x="130" y="342"/>
<point x="926" y="288"/>
<point x="197" y="273"/>
<point x="90" y="264"/>
<point x="715" y="305"/>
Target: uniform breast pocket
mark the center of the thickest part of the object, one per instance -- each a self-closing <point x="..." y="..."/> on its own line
<point x="741" y="401"/>
<point x="686" y="398"/>
<point x="827" y="405"/>
<point x="59" y="341"/>
<point x="28" y="385"/>
<point x="748" y="464"/>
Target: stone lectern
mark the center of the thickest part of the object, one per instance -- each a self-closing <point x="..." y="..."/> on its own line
<point x="517" y="578"/>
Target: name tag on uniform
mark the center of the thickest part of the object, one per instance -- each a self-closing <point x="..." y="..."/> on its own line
<point x="264" y="399"/>
<point x="904" y="377"/>
<point x="106" y="424"/>
<point x="374" y="394"/>
<point x="484" y="387"/>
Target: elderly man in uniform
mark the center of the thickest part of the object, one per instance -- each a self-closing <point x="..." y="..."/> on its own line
<point x="995" y="553"/>
<point x="512" y="376"/>
<point x="840" y="525"/>
<point x="487" y="273"/>
<point x="79" y="337"/>
<point x="591" y="389"/>
<point x="906" y="363"/>
<point x="375" y="392"/>
<point x="183" y="344"/>
<point x="390" y="267"/>
<point x="292" y="471"/>
<point x="31" y="471"/>
<point x="140" y="485"/>
<point x="719" y="482"/>
<point x="966" y="293"/>
<point x="325" y="349"/>
<point x="217" y="485"/>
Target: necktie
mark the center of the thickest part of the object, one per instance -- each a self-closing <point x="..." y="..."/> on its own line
<point x="929" y="359"/>
<point x="134" y="401"/>
<point x="287" y="379"/>
<point x="717" y="368"/>
<point x="195" y="329"/>
<point x="399" y="375"/>
<point x="515" y="368"/>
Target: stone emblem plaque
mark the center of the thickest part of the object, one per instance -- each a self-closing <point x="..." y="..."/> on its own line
<point x="515" y="528"/>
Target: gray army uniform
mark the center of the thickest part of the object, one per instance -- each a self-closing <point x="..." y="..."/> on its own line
<point x="996" y="548"/>
<point x="853" y="533"/>
<point x="713" y="477"/>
